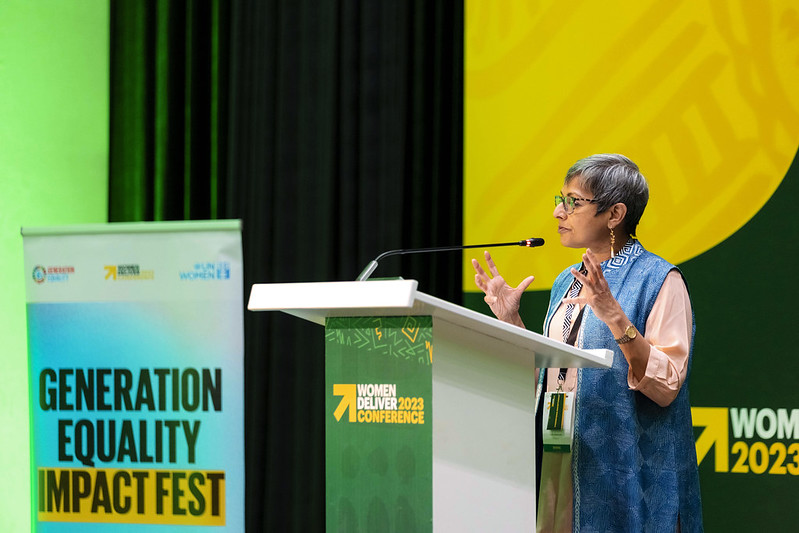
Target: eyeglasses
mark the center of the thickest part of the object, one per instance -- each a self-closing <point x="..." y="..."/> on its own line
<point x="569" y="202"/>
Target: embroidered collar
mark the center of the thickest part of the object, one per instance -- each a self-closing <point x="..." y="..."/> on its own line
<point x="631" y="249"/>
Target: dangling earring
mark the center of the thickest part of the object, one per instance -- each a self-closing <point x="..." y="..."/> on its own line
<point x="612" y="244"/>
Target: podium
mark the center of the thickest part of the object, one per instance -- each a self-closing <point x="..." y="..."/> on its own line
<point x="430" y="407"/>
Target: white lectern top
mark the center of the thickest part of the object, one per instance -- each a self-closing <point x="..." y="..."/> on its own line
<point x="317" y="301"/>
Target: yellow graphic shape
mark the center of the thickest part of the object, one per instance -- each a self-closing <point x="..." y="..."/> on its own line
<point x="716" y="434"/>
<point x="349" y="394"/>
<point x="410" y="329"/>
<point x="704" y="96"/>
<point x="429" y="347"/>
<point x="411" y="333"/>
<point x="110" y="271"/>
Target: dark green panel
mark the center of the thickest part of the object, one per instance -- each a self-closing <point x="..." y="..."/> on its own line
<point x="378" y="420"/>
<point x="745" y="357"/>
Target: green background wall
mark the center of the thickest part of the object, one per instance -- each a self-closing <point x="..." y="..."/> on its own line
<point x="53" y="170"/>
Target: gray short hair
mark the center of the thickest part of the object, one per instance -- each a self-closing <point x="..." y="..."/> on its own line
<point x="613" y="178"/>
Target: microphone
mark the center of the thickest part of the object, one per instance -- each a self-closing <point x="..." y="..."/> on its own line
<point x="530" y="243"/>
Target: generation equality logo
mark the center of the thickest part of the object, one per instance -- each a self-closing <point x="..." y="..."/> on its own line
<point x="207" y="271"/>
<point x="52" y="274"/>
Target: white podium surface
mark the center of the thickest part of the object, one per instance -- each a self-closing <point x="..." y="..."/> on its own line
<point x="483" y="394"/>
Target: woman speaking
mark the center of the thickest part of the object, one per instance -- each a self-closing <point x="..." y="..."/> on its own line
<point x="632" y="465"/>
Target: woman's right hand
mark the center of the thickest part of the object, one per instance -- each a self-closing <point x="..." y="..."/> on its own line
<point x="503" y="299"/>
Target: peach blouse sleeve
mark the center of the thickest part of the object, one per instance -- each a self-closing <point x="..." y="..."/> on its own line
<point x="668" y="331"/>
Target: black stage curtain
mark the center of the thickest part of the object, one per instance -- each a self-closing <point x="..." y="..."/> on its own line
<point x="333" y="130"/>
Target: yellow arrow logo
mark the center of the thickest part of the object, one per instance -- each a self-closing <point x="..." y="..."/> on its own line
<point x="716" y="421"/>
<point x="348" y="393"/>
<point x="110" y="271"/>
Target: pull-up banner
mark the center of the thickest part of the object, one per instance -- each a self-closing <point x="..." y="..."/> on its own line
<point x="135" y="343"/>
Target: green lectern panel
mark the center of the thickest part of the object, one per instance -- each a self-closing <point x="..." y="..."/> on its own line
<point x="379" y="433"/>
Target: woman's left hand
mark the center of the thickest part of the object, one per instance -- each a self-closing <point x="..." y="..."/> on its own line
<point x="596" y="292"/>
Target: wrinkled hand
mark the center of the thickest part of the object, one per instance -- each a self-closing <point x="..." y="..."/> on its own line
<point x="503" y="299"/>
<point x="595" y="292"/>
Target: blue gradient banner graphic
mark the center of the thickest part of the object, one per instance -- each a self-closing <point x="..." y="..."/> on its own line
<point x="136" y="379"/>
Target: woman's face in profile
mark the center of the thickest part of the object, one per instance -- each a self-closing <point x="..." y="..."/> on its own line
<point x="582" y="228"/>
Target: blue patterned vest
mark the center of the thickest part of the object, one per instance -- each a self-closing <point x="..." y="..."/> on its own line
<point x="633" y="462"/>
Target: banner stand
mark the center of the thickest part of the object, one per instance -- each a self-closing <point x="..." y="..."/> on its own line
<point x="135" y="356"/>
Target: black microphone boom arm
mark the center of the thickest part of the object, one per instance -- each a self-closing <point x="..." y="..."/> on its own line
<point x="530" y="243"/>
